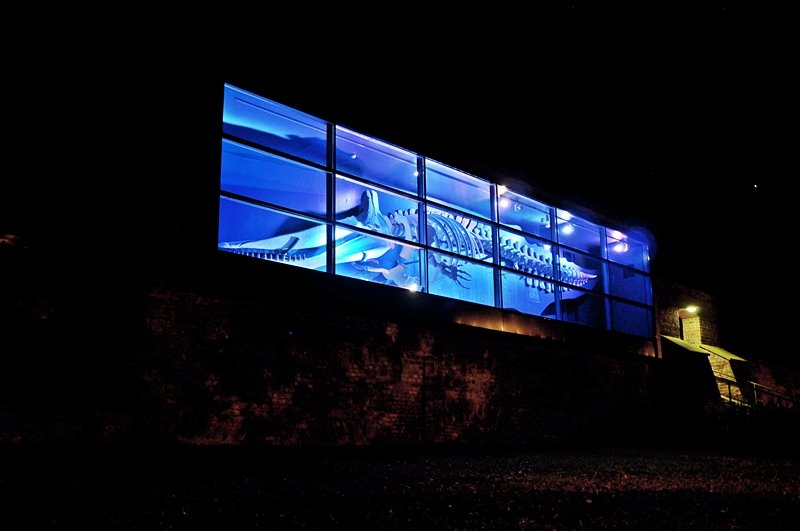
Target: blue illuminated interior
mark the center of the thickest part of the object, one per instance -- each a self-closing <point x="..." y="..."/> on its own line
<point x="298" y="190"/>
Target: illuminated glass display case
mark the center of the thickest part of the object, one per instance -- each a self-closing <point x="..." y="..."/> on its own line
<point x="298" y="190"/>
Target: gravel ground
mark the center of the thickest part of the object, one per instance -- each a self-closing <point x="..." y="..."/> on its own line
<point x="251" y="488"/>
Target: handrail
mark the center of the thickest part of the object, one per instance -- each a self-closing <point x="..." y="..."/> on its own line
<point x="735" y="401"/>
<point x="722" y="376"/>
<point x="755" y="387"/>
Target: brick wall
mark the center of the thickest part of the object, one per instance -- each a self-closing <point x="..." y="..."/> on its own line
<point x="248" y="374"/>
<point x="691" y="328"/>
<point x="241" y="362"/>
<point x="671" y="297"/>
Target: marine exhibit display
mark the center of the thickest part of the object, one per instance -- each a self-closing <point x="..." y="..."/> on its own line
<point x="301" y="191"/>
<point x="391" y="262"/>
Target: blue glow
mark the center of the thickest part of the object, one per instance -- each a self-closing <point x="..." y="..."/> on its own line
<point x="272" y="125"/>
<point x="464" y="238"/>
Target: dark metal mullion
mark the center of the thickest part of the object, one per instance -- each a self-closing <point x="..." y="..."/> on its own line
<point x="330" y="172"/>
<point x="281" y="154"/>
<point x="422" y="201"/>
<point x="555" y="251"/>
<point x="272" y="206"/>
<point x="497" y="274"/>
<point x="606" y="277"/>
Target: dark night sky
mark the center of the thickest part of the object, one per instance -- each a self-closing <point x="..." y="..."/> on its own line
<point x="679" y="121"/>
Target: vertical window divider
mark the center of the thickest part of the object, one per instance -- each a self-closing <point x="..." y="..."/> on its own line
<point x="604" y="268"/>
<point x="557" y="286"/>
<point x="330" y="167"/>
<point x="496" y="273"/>
<point x="422" y="195"/>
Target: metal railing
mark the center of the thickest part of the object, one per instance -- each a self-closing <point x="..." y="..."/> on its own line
<point x="755" y="391"/>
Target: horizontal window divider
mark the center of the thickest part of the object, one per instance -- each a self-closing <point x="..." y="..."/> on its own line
<point x="273" y="151"/>
<point x="617" y="298"/>
<point x="381" y="235"/>
<point x="373" y="184"/>
<point x="522" y="233"/>
<point x="524" y="273"/>
<point x="629" y="268"/>
<point x="272" y="206"/>
<point x="455" y="210"/>
<point x="461" y="257"/>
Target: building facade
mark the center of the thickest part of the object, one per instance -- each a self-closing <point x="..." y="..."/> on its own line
<point x="351" y="292"/>
<point x="308" y="193"/>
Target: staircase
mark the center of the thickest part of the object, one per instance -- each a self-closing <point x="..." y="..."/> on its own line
<point x="743" y="382"/>
<point x="742" y="391"/>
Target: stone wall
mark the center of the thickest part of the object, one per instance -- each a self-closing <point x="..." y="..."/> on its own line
<point x="236" y="359"/>
<point x="247" y="374"/>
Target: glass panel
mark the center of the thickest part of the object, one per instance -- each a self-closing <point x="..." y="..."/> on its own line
<point x="583" y="307"/>
<point x="270" y="124"/>
<point x="530" y="295"/>
<point x="459" y="234"/>
<point x="259" y="175"/>
<point x="631" y="319"/>
<point x="526" y="254"/>
<point x="377" y="259"/>
<point x="458" y="189"/>
<point x="629" y="284"/>
<point x="370" y="207"/>
<point x="627" y="251"/>
<point x="460" y="279"/>
<point x="523" y="251"/>
<point x="525" y="214"/>
<point x="269" y="235"/>
<point x="377" y="161"/>
<point x="579" y="233"/>
<point x="578" y="269"/>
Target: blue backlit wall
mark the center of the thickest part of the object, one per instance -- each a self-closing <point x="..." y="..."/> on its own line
<point x="307" y="193"/>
